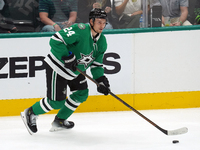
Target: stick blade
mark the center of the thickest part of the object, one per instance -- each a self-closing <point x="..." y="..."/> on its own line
<point x="177" y="131"/>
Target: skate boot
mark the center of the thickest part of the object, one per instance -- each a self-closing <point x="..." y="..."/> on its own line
<point x="59" y="124"/>
<point x="29" y="119"/>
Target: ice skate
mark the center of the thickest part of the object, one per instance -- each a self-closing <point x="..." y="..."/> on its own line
<point x="60" y="124"/>
<point x="29" y="119"/>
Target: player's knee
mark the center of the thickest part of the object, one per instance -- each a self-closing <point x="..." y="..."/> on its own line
<point x="80" y="95"/>
<point x="56" y="104"/>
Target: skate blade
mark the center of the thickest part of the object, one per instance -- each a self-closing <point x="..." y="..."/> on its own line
<point x="25" y="123"/>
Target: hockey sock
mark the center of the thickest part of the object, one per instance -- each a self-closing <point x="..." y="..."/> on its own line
<point x="64" y="112"/>
<point x="68" y="108"/>
<point x="45" y="105"/>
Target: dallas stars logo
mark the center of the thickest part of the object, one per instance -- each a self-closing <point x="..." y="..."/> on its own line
<point x="86" y="59"/>
<point x="81" y="26"/>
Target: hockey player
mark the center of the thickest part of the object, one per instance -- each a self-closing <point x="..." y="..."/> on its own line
<point x="82" y="46"/>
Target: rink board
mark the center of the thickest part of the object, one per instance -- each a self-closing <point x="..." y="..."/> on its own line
<point x="146" y="68"/>
<point x="99" y="103"/>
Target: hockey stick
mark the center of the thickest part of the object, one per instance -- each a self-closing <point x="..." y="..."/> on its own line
<point x="167" y="132"/>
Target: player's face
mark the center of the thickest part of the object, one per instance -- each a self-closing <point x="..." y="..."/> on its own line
<point x="99" y="25"/>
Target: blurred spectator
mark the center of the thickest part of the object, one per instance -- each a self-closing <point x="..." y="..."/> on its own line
<point x="6" y="23"/>
<point x="2" y="3"/>
<point x="57" y="14"/>
<point x="155" y="14"/>
<point x="154" y="3"/>
<point x="85" y="6"/>
<point x="197" y="12"/>
<point x="177" y="10"/>
<point x="130" y="12"/>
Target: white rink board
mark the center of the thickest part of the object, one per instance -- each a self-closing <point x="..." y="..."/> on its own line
<point x="168" y="62"/>
<point x="35" y="87"/>
<point x="30" y="87"/>
<point x="150" y="62"/>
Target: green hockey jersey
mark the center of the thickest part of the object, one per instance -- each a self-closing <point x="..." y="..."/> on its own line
<point x="77" y="39"/>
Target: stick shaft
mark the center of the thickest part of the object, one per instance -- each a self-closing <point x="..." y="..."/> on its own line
<point x="137" y="112"/>
<point x="115" y="96"/>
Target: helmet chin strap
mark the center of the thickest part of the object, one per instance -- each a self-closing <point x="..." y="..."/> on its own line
<point x="92" y="26"/>
<point x="94" y="38"/>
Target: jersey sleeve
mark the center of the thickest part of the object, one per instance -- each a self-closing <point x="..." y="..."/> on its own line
<point x="61" y="40"/>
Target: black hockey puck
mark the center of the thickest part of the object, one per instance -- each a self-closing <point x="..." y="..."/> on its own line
<point x="175" y="141"/>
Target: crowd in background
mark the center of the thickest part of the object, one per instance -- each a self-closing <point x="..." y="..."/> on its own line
<point x="54" y="15"/>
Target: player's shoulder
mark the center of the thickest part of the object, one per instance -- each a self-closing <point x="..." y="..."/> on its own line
<point x="75" y="31"/>
<point x="102" y="37"/>
<point x="81" y="27"/>
<point x="102" y="42"/>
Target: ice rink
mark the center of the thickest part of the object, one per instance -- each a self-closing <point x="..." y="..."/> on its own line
<point x="123" y="130"/>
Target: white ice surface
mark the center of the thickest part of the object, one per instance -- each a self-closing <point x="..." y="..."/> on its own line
<point x="123" y="130"/>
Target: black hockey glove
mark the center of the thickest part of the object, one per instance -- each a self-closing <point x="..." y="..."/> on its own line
<point x="70" y="61"/>
<point x="103" y="85"/>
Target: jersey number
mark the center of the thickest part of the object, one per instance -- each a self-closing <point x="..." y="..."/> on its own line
<point x="69" y="33"/>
